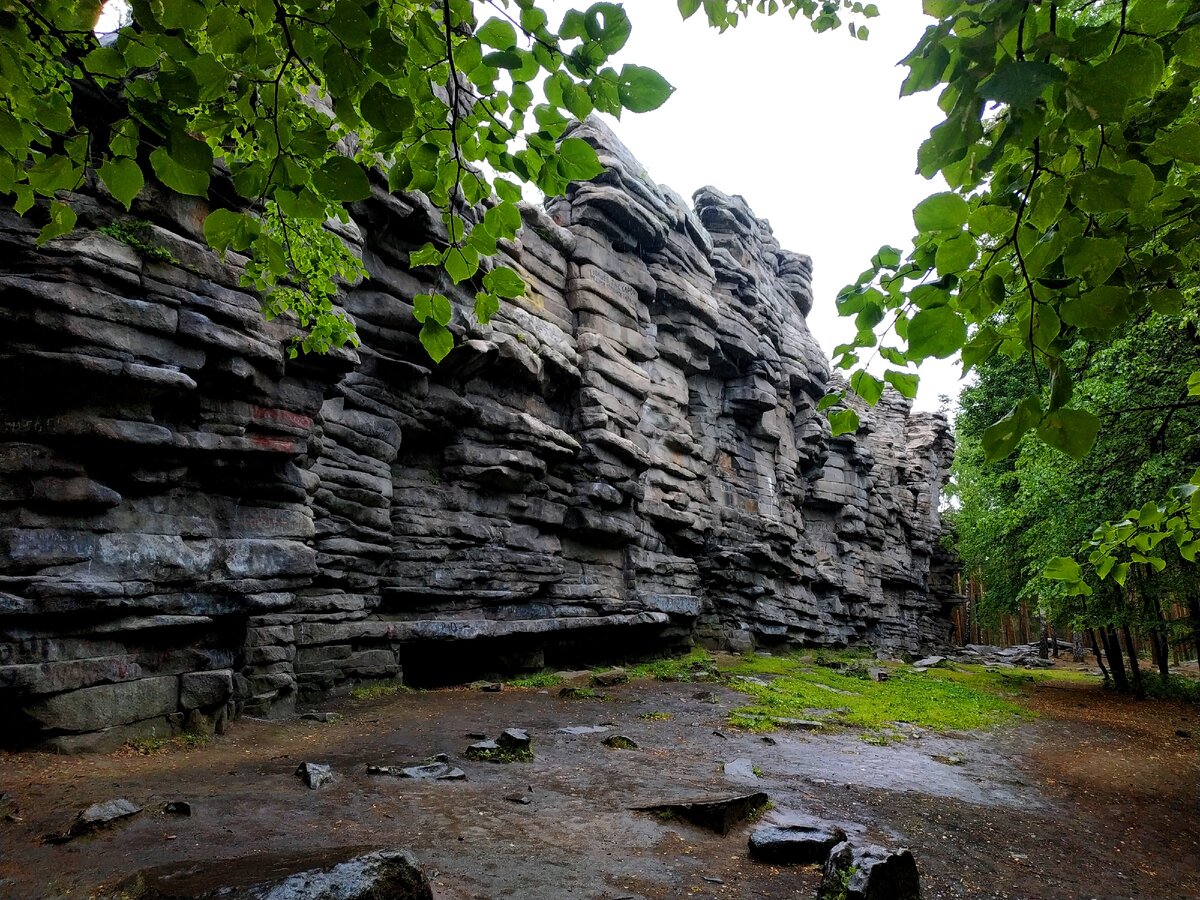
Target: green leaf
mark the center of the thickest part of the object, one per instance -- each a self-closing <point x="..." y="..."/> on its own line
<point x="843" y="421"/>
<point x="1073" y="431"/>
<point x="180" y="177"/>
<point x="461" y="263"/>
<point x="956" y="255"/>
<point x="1062" y="568"/>
<point x="1180" y="143"/>
<point x="905" y="382"/>
<point x="504" y="282"/>
<point x="577" y="160"/>
<point x="940" y="212"/>
<point x="830" y="400"/>
<point x="1020" y="83"/>
<point x="1187" y="46"/>
<point x="437" y="340"/>
<point x="386" y="111"/>
<point x="1193" y="384"/>
<point x="1105" y="307"/>
<point x="642" y="89"/>
<point x="123" y="178"/>
<point x="427" y="255"/>
<point x="441" y="309"/>
<point x="866" y="386"/>
<point x="497" y="33"/>
<point x="224" y="228"/>
<point x="486" y="306"/>
<point x="937" y="332"/>
<point x="342" y="179"/>
<point x="62" y="220"/>
<point x="1093" y="259"/>
<point x="1102" y="191"/>
<point x="1002" y="438"/>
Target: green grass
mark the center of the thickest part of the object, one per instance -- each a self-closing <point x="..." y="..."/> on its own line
<point x="941" y="699"/>
<point x="543" y="679"/>
<point x="501" y="754"/>
<point x="187" y="740"/>
<point x="580" y="693"/>
<point x="377" y="690"/>
<point x="655" y="716"/>
<point x="695" y="666"/>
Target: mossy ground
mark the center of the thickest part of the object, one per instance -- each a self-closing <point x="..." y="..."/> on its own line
<point x="377" y="690"/>
<point x="837" y="687"/>
<point x="543" y="679"/>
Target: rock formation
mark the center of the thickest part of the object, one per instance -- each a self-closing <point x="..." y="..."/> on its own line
<point x="193" y="525"/>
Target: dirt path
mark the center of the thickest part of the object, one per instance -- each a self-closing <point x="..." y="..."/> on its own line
<point x="1097" y="798"/>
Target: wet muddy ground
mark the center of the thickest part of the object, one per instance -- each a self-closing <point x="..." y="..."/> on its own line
<point x="1096" y="798"/>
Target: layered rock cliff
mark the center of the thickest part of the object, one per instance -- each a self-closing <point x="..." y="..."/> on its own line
<point x="193" y="525"/>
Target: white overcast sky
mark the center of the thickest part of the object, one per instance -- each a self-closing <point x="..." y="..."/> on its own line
<point x="808" y="127"/>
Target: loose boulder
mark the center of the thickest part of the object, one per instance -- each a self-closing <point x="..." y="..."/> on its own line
<point x="800" y="842"/>
<point x="314" y="775"/>
<point x="719" y="814"/>
<point x="869" y="873"/>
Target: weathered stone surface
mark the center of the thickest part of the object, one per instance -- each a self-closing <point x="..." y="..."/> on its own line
<point x="802" y="841"/>
<point x="869" y="873"/>
<point x="101" y="815"/>
<point x="335" y="875"/>
<point x="314" y="775"/>
<point x="628" y="456"/>
<point x="718" y="814"/>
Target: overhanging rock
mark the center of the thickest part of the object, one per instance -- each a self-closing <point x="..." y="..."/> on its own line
<point x="627" y="458"/>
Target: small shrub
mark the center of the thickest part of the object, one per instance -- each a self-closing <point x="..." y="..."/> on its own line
<point x="1173" y="687"/>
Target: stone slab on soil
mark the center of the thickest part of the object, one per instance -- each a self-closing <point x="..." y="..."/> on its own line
<point x="338" y="874"/>
<point x="801" y="842"/>
<point x="719" y="814"/>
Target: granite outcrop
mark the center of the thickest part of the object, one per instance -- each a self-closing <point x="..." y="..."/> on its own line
<point x="195" y="526"/>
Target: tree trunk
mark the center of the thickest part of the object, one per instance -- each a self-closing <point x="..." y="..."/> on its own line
<point x="1099" y="658"/>
<point x="1112" y="649"/>
<point x="1193" y="606"/>
<point x="1134" y="669"/>
<point x="1159" y="645"/>
<point x="1078" y="653"/>
<point x="1043" y="642"/>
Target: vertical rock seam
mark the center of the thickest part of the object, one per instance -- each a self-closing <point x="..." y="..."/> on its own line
<point x="628" y="459"/>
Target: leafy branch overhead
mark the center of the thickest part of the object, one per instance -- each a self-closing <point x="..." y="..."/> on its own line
<point x="284" y="112"/>
<point x="1070" y="147"/>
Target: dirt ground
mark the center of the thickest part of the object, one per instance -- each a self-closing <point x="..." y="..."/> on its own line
<point x="1096" y="798"/>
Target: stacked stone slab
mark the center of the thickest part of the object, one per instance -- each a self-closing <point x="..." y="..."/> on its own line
<point x="194" y="525"/>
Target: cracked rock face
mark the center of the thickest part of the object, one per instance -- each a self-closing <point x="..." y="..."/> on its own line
<point x="194" y="526"/>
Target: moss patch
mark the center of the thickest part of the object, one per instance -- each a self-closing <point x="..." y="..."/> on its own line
<point x="698" y="665"/>
<point x="940" y="699"/>
<point x="377" y="690"/>
<point x="544" y="679"/>
<point x="138" y="234"/>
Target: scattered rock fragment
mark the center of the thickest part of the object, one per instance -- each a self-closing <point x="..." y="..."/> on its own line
<point x="177" y="808"/>
<point x="492" y="687"/>
<point x="314" y="775"/>
<point x="706" y="697"/>
<point x="340" y="874"/>
<point x="620" y="742"/>
<point x="515" y="739"/>
<point x="1182" y="732"/>
<point x="869" y="873"/>
<point x="8" y="808"/>
<point x="439" y="769"/>
<point x="718" y="814"/>
<point x="96" y="817"/>
<point x="583" y="729"/>
<point x="929" y="662"/>
<point x="610" y="678"/>
<point x="740" y="768"/>
<point x="324" y="718"/>
<point x="951" y="759"/>
<point x="802" y="841"/>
